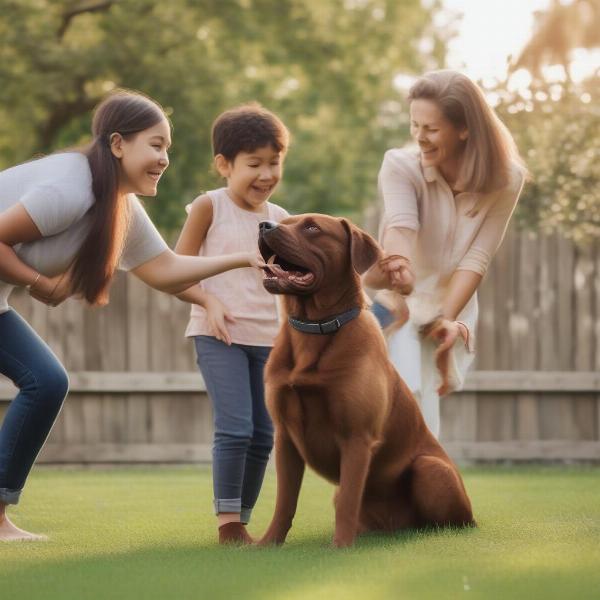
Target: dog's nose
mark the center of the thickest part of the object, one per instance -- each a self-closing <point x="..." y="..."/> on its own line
<point x="266" y="226"/>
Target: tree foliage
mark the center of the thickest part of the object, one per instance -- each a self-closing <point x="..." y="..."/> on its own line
<point x="559" y="30"/>
<point x="557" y="127"/>
<point x="326" y="67"/>
<point x="557" y="124"/>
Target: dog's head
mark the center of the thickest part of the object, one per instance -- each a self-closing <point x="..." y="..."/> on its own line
<point x="310" y="252"/>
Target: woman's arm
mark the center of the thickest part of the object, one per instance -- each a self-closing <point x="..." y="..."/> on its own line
<point x="470" y="271"/>
<point x="194" y="295"/>
<point x="397" y="241"/>
<point x="492" y="230"/>
<point x="173" y="273"/>
<point x="16" y="227"/>
<point x="461" y="287"/>
<point x="398" y="189"/>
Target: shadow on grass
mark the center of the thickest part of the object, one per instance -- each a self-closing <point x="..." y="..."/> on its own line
<point x="212" y="571"/>
<point x="537" y="539"/>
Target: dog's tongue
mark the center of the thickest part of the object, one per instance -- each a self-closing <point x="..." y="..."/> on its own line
<point x="302" y="278"/>
<point x="296" y="276"/>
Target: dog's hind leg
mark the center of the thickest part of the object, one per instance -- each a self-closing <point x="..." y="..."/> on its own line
<point x="289" y="466"/>
<point x="386" y="514"/>
<point x="438" y="493"/>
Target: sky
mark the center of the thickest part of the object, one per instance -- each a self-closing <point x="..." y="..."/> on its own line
<point x="489" y="31"/>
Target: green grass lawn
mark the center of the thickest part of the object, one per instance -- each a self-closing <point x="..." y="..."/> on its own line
<point x="149" y="533"/>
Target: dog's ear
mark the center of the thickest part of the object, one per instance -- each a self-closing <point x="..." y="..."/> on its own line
<point x="364" y="250"/>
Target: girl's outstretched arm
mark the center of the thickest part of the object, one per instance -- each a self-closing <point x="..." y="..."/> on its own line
<point x="173" y="273"/>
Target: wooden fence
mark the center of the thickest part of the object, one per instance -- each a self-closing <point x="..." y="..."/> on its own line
<point x="535" y="392"/>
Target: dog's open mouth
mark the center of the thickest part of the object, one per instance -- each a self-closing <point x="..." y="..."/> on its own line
<point x="279" y="269"/>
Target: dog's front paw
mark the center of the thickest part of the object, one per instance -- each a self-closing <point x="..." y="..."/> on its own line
<point x="270" y="540"/>
<point x="343" y="541"/>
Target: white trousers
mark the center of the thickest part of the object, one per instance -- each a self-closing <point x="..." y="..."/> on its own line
<point x="414" y="359"/>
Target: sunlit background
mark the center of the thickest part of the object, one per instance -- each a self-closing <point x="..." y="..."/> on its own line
<point x="337" y="72"/>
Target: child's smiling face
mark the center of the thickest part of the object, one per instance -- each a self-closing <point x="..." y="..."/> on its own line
<point x="252" y="176"/>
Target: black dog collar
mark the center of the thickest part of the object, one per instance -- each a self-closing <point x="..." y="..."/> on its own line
<point x="331" y="325"/>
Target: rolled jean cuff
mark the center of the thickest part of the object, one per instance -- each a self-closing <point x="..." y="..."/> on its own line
<point x="8" y="496"/>
<point x="227" y="505"/>
<point x="245" y="515"/>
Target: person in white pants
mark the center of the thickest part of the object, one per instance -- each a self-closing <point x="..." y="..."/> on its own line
<point x="446" y="207"/>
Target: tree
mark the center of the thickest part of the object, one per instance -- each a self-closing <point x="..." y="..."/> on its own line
<point x="557" y="125"/>
<point x="326" y="67"/>
<point x="558" y="31"/>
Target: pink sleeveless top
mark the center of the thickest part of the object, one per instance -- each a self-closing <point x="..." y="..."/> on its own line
<point x="234" y="229"/>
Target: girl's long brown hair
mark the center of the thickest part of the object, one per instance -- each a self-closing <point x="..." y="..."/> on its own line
<point x="126" y="113"/>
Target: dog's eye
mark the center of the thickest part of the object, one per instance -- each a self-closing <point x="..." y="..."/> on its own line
<point x="311" y="227"/>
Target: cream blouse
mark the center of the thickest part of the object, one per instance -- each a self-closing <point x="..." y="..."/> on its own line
<point x="459" y="232"/>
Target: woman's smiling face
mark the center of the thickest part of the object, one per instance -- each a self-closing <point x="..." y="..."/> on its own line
<point x="440" y="142"/>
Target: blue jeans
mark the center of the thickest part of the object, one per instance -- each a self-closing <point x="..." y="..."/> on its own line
<point x="243" y="432"/>
<point x="43" y="384"/>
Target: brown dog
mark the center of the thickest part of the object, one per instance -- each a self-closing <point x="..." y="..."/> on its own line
<point x="336" y="401"/>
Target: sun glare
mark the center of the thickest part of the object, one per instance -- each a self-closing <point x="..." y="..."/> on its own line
<point x="489" y="34"/>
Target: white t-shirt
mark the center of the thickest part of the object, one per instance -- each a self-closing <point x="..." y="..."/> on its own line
<point x="56" y="191"/>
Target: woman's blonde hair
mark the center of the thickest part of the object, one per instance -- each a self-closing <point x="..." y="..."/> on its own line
<point x="490" y="151"/>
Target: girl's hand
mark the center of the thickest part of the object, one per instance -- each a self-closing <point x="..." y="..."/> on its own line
<point x="256" y="260"/>
<point x="399" y="273"/>
<point x="52" y="290"/>
<point x="218" y="316"/>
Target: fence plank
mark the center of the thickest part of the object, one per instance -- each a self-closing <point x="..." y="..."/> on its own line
<point x="132" y="382"/>
<point x="513" y="450"/>
<point x="138" y="341"/>
<point x="125" y="453"/>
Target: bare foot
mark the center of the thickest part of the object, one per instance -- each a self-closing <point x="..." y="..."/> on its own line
<point x="234" y="533"/>
<point x="9" y="532"/>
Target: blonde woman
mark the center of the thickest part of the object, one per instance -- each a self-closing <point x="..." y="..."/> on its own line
<point x="446" y="207"/>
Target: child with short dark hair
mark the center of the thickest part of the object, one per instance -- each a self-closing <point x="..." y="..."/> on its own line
<point x="234" y="327"/>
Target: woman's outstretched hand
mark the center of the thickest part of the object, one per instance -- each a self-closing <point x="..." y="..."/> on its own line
<point x="399" y="273"/>
<point x="444" y="333"/>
